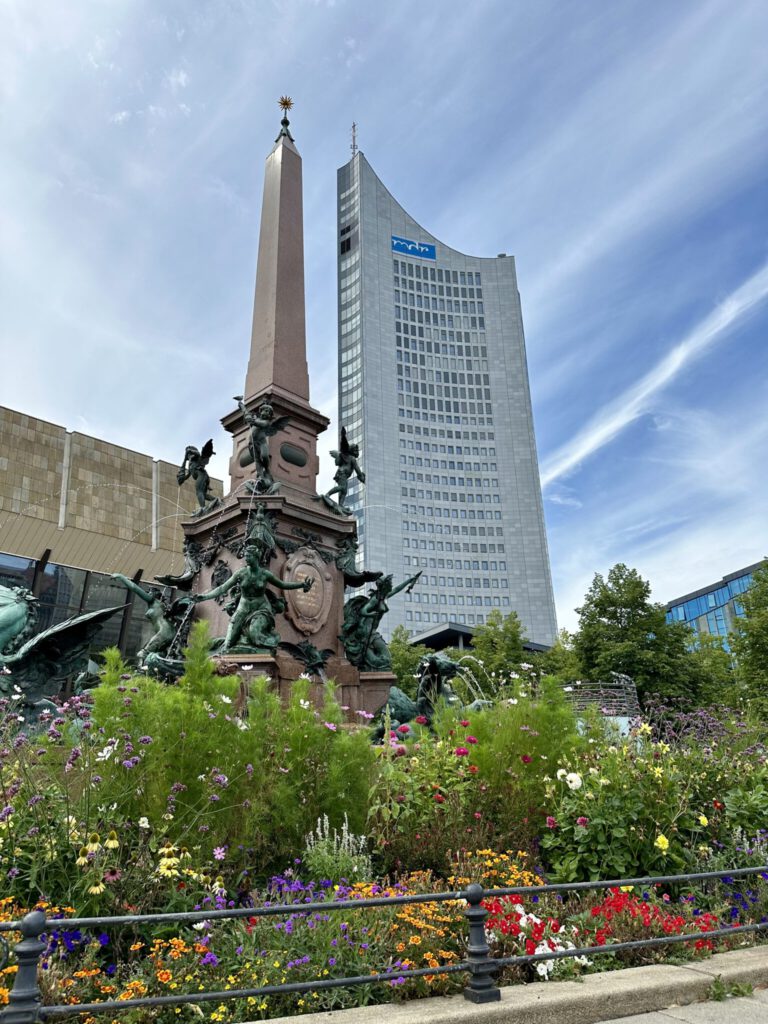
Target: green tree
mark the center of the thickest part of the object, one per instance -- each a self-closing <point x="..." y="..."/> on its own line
<point x="714" y="666"/>
<point x="499" y="643"/>
<point x="405" y="658"/>
<point x="622" y="630"/>
<point x="561" y="661"/>
<point x="750" y="642"/>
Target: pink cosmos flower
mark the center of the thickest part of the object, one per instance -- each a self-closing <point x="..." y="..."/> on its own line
<point x="219" y="852"/>
<point x="551" y="822"/>
<point x="330" y="725"/>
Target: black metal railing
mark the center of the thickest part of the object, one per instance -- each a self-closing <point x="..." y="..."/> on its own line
<point x="25" y="999"/>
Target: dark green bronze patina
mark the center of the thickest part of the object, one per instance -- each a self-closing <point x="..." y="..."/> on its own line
<point x="263" y="425"/>
<point x="194" y="466"/>
<point x="364" y="646"/>
<point x="252" y="626"/>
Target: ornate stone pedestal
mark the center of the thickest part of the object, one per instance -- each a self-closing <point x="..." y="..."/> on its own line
<point x="306" y="538"/>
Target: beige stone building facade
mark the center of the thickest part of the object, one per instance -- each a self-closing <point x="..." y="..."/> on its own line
<point x="74" y="509"/>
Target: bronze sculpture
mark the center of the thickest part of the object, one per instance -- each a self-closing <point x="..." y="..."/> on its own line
<point x="346" y="466"/>
<point x="364" y="646"/>
<point x="263" y="425"/>
<point x="252" y="626"/>
<point x="33" y="669"/>
<point x="346" y="561"/>
<point x="193" y="466"/>
<point x="166" y="617"/>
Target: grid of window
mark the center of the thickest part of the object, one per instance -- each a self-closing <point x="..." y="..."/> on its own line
<point x="418" y="390"/>
<point x="714" y="611"/>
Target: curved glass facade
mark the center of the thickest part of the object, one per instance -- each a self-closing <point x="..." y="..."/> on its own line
<point x="713" y="609"/>
<point x="433" y="386"/>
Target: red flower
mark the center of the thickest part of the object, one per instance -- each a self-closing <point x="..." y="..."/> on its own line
<point x="403" y="728"/>
<point x="439" y="798"/>
<point x="420" y="720"/>
<point x="473" y="769"/>
<point x="464" y="723"/>
<point x="461" y="752"/>
<point x="526" y="758"/>
<point x="471" y="739"/>
<point x="551" y="822"/>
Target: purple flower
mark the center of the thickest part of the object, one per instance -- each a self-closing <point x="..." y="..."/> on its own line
<point x="34" y="800"/>
<point x="210" y="960"/>
<point x="6" y="812"/>
<point x="13" y="873"/>
<point x="103" y="939"/>
<point x="331" y="961"/>
<point x="330" y="725"/>
<point x="145" y="740"/>
<point x="249" y="769"/>
<point x="219" y="852"/>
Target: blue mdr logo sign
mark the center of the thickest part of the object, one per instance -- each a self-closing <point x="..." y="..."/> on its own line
<point x="408" y="247"/>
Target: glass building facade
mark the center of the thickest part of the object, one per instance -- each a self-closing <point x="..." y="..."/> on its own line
<point x="63" y="591"/>
<point x="713" y="609"/>
<point x="433" y="386"/>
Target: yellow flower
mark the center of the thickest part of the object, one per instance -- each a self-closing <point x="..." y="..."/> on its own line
<point x="112" y="842"/>
<point x="703" y="820"/>
<point x="97" y="888"/>
<point x="93" y="845"/>
<point x="82" y="860"/>
<point x="644" y="729"/>
<point x="661" y="843"/>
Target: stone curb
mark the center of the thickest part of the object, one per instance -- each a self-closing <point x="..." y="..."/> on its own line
<point x="597" y="997"/>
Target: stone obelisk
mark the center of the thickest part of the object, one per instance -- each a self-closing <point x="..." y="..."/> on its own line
<point x="273" y="487"/>
<point x="277" y="368"/>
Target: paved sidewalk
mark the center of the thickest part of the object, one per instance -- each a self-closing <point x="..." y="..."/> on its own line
<point x="748" y="1010"/>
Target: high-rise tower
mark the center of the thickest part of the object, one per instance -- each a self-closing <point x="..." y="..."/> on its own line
<point x="433" y="386"/>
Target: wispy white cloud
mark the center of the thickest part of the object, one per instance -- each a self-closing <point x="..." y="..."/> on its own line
<point x="176" y="80"/>
<point x="636" y="400"/>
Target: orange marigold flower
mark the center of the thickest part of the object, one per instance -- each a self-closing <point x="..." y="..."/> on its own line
<point x="164" y="976"/>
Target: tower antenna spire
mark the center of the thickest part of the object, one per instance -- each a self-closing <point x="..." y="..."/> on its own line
<point x="353" y="147"/>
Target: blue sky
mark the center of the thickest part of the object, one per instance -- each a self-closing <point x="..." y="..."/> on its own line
<point x="618" y="149"/>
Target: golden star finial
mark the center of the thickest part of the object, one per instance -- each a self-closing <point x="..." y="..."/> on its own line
<point x="285" y="103"/>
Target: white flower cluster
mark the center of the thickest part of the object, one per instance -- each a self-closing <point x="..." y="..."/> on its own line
<point x="572" y="779"/>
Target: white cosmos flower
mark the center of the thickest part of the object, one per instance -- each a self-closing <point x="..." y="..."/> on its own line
<point x="573" y="780"/>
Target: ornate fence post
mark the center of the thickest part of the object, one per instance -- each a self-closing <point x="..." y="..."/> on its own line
<point x="482" y="988"/>
<point x="24" y="998"/>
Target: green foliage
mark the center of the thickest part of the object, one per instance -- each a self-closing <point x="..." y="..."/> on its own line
<point x="480" y="781"/>
<point x="200" y="762"/>
<point x="750" y="642"/>
<point x="714" y="667"/>
<point x="719" y="990"/>
<point x="621" y="630"/>
<point x="498" y="643"/>
<point x="405" y="659"/>
<point x="336" y="854"/>
<point x="632" y="811"/>
<point x="561" y="661"/>
<point x="519" y="743"/>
